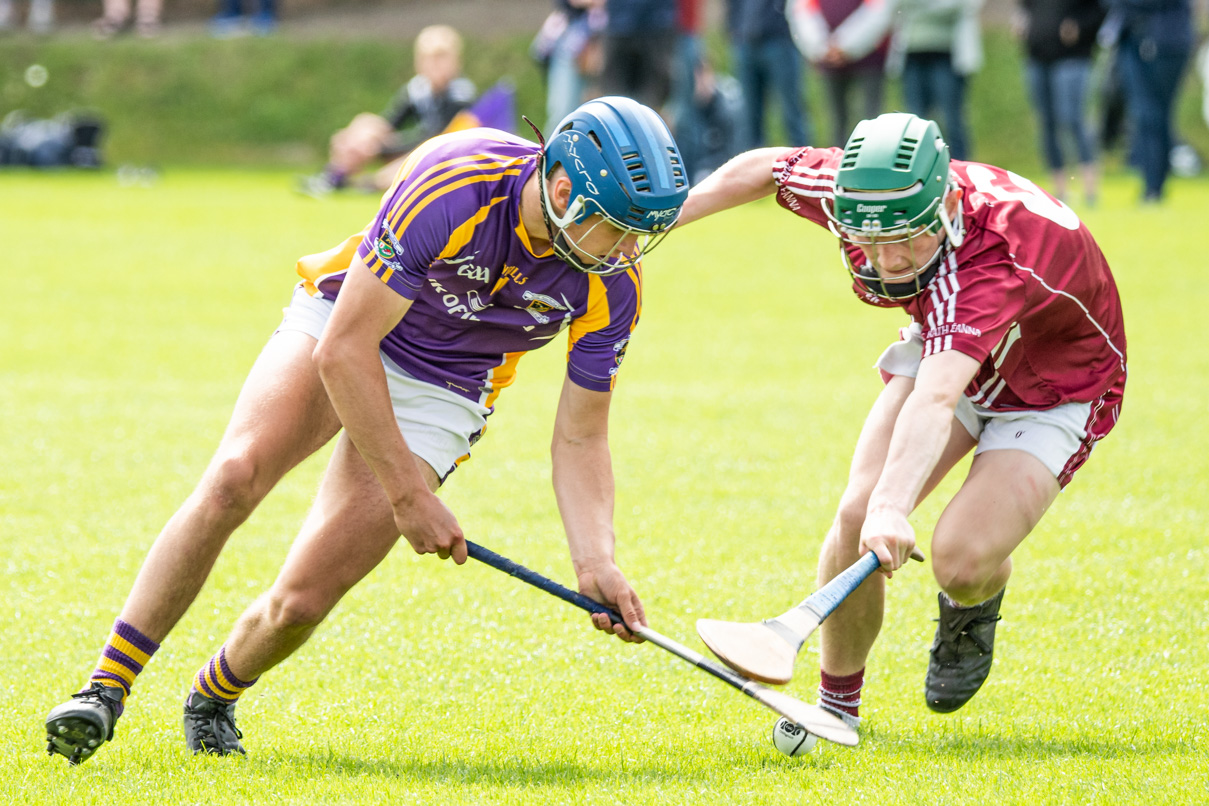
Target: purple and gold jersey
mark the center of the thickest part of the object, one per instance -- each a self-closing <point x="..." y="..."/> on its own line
<point x="449" y="237"/>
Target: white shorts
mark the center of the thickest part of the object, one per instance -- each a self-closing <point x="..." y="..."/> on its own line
<point x="439" y="425"/>
<point x="1054" y="435"/>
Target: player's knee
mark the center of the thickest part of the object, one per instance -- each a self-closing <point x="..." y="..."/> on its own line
<point x="293" y="610"/>
<point x="233" y="486"/>
<point x="962" y="576"/>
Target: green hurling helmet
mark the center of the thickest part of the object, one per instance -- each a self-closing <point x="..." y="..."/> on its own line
<point x="890" y="188"/>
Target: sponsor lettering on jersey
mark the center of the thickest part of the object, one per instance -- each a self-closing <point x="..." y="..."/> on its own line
<point x="474" y="273"/>
<point x="467" y="268"/>
<point x="514" y="274"/>
<point x="953" y="327"/>
<point x="790" y="199"/>
<point x="453" y="303"/>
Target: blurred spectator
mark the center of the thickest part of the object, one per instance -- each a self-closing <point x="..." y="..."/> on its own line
<point x="568" y="49"/>
<point x="72" y="139"/>
<point x="115" y="17"/>
<point x="936" y="46"/>
<point x="231" y="20"/>
<point x="639" y="46"/>
<point x="40" y="19"/>
<point x="423" y="107"/>
<point x="709" y="129"/>
<point x="766" y="59"/>
<point x="847" y="42"/>
<point x="1059" y="37"/>
<point x="1153" y="41"/>
<point x="690" y="50"/>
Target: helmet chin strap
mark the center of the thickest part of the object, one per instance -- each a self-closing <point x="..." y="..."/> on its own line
<point x="544" y="203"/>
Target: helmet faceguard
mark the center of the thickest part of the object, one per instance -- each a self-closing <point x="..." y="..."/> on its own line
<point x="625" y="168"/>
<point x="890" y="189"/>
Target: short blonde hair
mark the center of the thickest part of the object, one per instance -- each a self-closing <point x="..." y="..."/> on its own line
<point x="439" y="39"/>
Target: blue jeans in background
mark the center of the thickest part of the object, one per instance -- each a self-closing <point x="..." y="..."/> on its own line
<point x="1059" y="94"/>
<point x="929" y="82"/>
<point x="774" y="66"/>
<point x="1151" y="78"/>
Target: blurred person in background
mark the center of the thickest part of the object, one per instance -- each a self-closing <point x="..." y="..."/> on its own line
<point x="40" y="18"/>
<point x="690" y="52"/>
<point x="1154" y="42"/>
<point x="639" y="48"/>
<point x="847" y="42"/>
<point x="765" y="61"/>
<point x="232" y="21"/>
<point x="1059" y="38"/>
<point x="568" y="49"/>
<point x="709" y="128"/>
<point x="422" y="108"/>
<point x="936" y="47"/>
<point x="115" y="18"/>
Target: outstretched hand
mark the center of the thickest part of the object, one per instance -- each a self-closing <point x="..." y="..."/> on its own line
<point x="608" y="586"/>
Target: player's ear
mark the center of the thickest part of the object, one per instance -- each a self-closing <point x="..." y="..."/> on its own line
<point x="560" y="192"/>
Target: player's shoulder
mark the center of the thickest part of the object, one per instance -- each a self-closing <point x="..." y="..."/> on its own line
<point x="473" y="150"/>
<point x="1004" y="204"/>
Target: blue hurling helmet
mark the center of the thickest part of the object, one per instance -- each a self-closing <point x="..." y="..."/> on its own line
<point x="625" y="167"/>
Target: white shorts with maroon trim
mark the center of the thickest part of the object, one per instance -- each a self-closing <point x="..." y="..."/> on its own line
<point x="1061" y="437"/>
<point x="439" y="426"/>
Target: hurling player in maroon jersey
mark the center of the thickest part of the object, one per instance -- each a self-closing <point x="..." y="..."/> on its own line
<point x="1015" y="350"/>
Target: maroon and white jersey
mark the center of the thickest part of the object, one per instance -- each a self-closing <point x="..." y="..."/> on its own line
<point x="1028" y="293"/>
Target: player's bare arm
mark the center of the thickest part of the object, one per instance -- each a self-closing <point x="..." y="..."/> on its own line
<point x="920" y="435"/>
<point x="583" y="485"/>
<point x="348" y="362"/>
<point x="743" y="179"/>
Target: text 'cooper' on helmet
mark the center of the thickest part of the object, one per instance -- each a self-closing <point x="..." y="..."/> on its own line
<point x="623" y="165"/>
<point x="892" y="176"/>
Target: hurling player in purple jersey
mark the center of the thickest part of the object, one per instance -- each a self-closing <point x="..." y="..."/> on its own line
<point x="485" y="247"/>
<point x="1015" y="350"/>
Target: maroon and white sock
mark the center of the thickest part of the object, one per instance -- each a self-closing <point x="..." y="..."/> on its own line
<point x="842" y="695"/>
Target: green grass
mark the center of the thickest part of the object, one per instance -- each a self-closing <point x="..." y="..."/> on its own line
<point x="133" y="314"/>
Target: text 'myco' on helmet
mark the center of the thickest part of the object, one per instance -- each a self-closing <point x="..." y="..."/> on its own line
<point x="625" y="167"/>
<point x="890" y="188"/>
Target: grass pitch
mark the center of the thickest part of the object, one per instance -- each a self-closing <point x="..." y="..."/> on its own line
<point x="134" y="312"/>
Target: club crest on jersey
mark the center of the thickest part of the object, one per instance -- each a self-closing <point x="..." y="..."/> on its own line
<point x="540" y="305"/>
<point x="388" y="248"/>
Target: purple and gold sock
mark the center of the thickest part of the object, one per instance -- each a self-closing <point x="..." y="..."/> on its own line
<point x="216" y="681"/>
<point x="125" y="654"/>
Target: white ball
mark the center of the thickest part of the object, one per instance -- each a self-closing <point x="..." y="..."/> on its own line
<point x="791" y="739"/>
